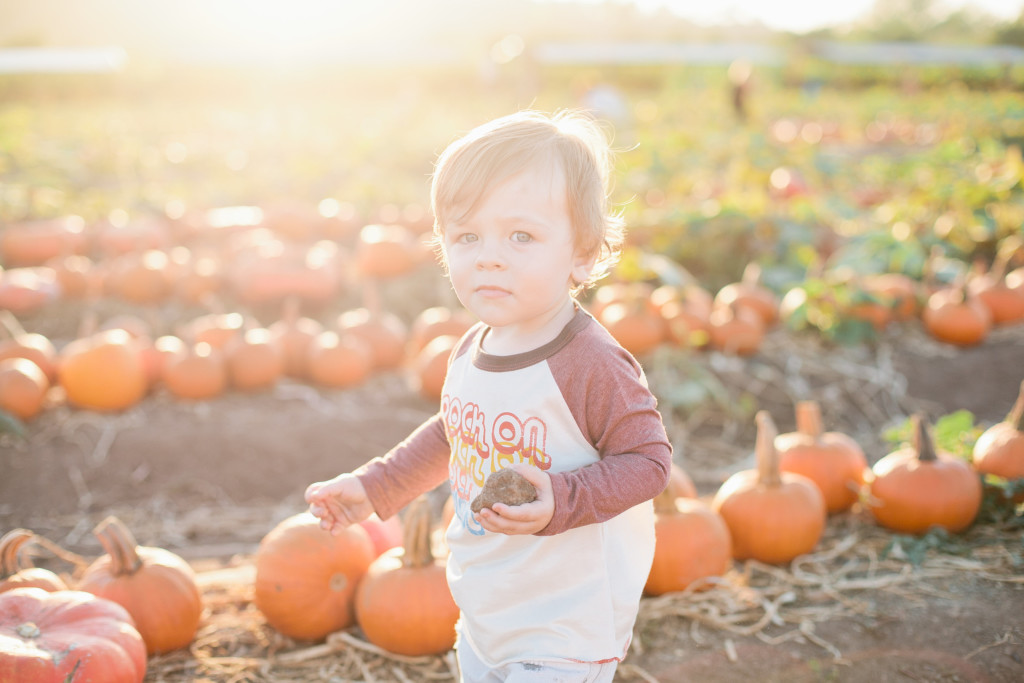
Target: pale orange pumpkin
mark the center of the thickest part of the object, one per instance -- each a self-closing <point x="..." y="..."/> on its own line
<point x="384" y="332"/>
<point x="156" y="586"/>
<point x="17" y="573"/>
<point x="832" y="460"/>
<point x="1000" y="448"/>
<point x="23" y="388"/>
<point x="17" y="343"/>
<point x="434" y="322"/>
<point x="196" y="372"/>
<point x="386" y="250"/>
<point x="680" y="483"/>
<point x="103" y="371"/>
<point x="692" y="543"/>
<point x="254" y="361"/>
<point x="773" y="516"/>
<point x="34" y="242"/>
<point x="293" y="334"/>
<point x="635" y="325"/>
<point x="917" y="487"/>
<point x="339" y="361"/>
<point x="306" y="577"/>
<point x="403" y="604"/>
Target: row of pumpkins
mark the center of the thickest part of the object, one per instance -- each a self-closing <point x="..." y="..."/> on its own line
<point x="385" y="577"/>
<point x="736" y="318"/>
<point x="116" y="367"/>
<point x="253" y="263"/>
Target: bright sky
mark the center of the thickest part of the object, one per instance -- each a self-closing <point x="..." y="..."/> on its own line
<point x="804" y="15"/>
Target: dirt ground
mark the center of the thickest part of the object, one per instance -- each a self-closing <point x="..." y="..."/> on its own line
<point x="208" y="480"/>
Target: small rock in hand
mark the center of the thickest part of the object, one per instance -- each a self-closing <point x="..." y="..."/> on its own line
<point x="504" y="486"/>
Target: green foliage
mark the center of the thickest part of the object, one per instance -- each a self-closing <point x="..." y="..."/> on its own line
<point x="954" y="433"/>
<point x="9" y="424"/>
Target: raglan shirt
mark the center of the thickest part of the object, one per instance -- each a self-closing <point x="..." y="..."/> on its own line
<point x="580" y="409"/>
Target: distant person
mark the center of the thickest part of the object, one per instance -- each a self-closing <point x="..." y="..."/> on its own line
<point x="739" y="87"/>
<point x="548" y="590"/>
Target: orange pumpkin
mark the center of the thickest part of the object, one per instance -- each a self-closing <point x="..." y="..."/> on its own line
<point x="23" y="388"/>
<point x="692" y="543"/>
<point x="384" y="333"/>
<point x="195" y="372"/>
<point x="773" y="516"/>
<point x="736" y="329"/>
<point x="157" y="587"/>
<point x="216" y="329"/>
<point x="67" y="636"/>
<point x="749" y="292"/>
<point x="687" y="312"/>
<point x="16" y="574"/>
<point x="833" y="461"/>
<point x="34" y="242"/>
<point x="103" y="371"/>
<point x="917" y="487"/>
<point x="386" y="251"/>
<point x="403" y="604"/>
<point x="306" y="577"/>
<point x="635" y="325"/>
<point x="1004" y="303"/>
<point x="430" y="366"/>
<point x="254" y="361"/>
<point x="434" y="322"/>
<point x="898" y="291"/>
<point x="141" y="278"/>
<point x="293" y="334"/>
<point x="953" y="316"/>
<point x="1000" y="448"/>
<point x="680" y="483"/>
<point x="339" y="361"/>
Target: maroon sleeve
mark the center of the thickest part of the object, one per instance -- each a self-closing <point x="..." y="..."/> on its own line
<point x="416" y="465"/>
<point x="607" y="393"/>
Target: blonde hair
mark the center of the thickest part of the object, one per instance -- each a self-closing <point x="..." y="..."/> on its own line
<point x="472" y="165"/>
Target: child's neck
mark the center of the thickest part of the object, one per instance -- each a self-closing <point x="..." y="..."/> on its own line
<point x="513" y="339"/>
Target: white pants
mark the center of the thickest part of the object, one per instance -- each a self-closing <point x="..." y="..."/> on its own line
<point x="472" y="670"/>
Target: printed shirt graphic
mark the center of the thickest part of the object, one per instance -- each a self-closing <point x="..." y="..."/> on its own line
<point x="572" y="591"/>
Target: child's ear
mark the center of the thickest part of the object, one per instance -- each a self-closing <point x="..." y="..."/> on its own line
<point x="582" y="266"/>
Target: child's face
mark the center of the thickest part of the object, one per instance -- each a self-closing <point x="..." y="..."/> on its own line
<point x="513" y="261"/>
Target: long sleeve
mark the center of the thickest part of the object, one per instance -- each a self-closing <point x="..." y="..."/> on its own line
<point x="413" y="467"/>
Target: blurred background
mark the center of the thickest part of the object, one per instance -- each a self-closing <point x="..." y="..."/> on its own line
<point x="789" y="133"/>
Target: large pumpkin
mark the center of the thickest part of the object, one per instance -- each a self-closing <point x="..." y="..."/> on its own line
<point x="750" y="293"/>
<point x="103" y="371"/>
<point x="157" y="587"/>
<point x="23" y="387"/>
<point x="195" y="372"/>
<point x="917" y="487"/>
<point x="954" y="316"/>
<point x="773" y="516"/>
<point x="306" y="577"/>
<point x="832" y="460"/>
<point x="1000" y="448"/>
<point x="65" y="637"/>
<point x="403" y="604"/>
<point x="15" y="573"/>
<point x="692" y="543"/>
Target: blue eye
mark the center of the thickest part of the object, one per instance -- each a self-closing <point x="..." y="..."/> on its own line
<point x="520" y="236"/>
<point x="466" y="238"/>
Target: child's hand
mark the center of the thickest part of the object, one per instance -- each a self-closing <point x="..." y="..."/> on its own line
<point x="338" y="502"/>
<point x="528" y="518"/>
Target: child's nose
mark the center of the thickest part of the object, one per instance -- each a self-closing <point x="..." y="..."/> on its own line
<point x="489" y="255"/>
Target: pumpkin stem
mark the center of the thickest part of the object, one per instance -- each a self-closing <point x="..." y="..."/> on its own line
<point x="9" y="325"/>
<point x="665" y="502"/>
<point x="416" y="534"/>
<point x="120" y="544"/>
<point x="1016" y="416"/>
<point x="751" y="274"/>
<point x="922" y="440"/>
<point x="10" y="545"/>
<point x="808" y="419"/>
<point x="767" y="456"/>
